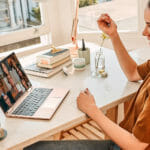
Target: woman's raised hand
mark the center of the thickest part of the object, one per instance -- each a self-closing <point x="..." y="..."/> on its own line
<point x="107" y="25"/>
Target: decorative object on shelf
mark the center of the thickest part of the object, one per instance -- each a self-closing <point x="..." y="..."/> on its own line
<point x="100" y="59"/>
<point x="55" y="50"/>
<point x="84" y="53"/>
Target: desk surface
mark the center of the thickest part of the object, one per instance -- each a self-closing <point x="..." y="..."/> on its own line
<point x="107" y="91"/>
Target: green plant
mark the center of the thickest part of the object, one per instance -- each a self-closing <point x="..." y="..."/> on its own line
<point x="36" y="14"/>
<point x="83" y="3"/>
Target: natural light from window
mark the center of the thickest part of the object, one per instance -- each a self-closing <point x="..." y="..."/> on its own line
<point x="124" y="12"/>
<point x="18" y="14"/>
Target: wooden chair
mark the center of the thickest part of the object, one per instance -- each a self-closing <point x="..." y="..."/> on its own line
<point x="89" y="130"/>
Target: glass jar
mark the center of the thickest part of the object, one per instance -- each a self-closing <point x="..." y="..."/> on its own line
<point x="99" y="63"/>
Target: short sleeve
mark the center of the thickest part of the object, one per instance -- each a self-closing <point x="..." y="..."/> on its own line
<point x="144" y="69"/>
<point x="141" y="129"/>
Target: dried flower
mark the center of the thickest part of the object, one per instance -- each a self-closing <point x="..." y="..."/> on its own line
<point x="104" y="36"/>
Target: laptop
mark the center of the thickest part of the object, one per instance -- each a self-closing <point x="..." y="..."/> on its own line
<point x="19" y="99"/>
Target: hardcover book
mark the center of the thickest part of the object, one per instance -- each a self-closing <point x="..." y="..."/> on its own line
<point x="33" y="69"/>
<point x="51" y="58"/>
<point x="55" y="64"/>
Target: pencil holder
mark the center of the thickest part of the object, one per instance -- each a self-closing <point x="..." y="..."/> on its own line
<point x="84" y="54"/>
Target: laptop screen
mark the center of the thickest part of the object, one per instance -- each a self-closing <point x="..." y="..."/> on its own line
<point x="13" y="81"/>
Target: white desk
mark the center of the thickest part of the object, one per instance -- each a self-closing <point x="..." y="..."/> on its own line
<point x="107" y="91"/>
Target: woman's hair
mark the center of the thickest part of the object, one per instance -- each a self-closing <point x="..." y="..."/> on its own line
<point x="148" y="4"/>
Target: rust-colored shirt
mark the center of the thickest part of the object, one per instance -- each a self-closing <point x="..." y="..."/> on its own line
<point x="137" y="117"/>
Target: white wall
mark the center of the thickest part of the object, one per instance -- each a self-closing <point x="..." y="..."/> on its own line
<point x="131" y="41"/>
<point x="61" y="17"/>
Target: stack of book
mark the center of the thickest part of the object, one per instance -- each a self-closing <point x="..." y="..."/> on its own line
<point x="52" y="60"/>
<point x="50" y="63"/>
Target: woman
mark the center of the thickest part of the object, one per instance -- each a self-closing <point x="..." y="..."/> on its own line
<point x="134" y="131"/>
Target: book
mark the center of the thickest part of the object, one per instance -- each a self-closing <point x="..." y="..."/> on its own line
<point x="58" y="63"/>
<point x="51" y="58"/>
<point x="33" y="69"/>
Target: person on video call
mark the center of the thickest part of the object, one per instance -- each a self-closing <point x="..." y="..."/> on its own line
<point x="15" y="75"/>
<point x="4" y="105"/>
<point x="10" y="82"/>
<point x="133" y="133"/>
<point x="20" y="72"/>
<point x="6" y="100"/>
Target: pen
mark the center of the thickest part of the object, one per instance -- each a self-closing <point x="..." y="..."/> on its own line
<point x="83" y="45"/>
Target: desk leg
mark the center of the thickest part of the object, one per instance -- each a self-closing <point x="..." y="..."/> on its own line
<point x="120" y="113"/>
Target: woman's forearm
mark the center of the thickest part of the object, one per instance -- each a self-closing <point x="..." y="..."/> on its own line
<point x="121" y="137"/>
<point x="127" y="64"/>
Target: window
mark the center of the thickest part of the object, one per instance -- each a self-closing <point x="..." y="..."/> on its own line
<point x="130" y="25"/>
<point x="21" y="20"/>
<point x="16" y="15"/>
<point x="129" y="16"/>
<point x="124" y="12"/>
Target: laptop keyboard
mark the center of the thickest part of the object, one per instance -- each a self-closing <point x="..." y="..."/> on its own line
<point x="32" y="102"/>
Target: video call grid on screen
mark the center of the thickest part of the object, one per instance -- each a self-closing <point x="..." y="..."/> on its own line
<point x="13" y="81"/>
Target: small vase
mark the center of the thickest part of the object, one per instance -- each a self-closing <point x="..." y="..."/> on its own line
<point x="99" y="63"/>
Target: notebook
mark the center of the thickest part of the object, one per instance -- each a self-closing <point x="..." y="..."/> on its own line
<point x="18" y="98"/>
<point x="52" y="58"/>
<point x="33" y="69"/>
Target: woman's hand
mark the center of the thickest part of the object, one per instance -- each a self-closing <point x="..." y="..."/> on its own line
<point x="86" y="102"/>
<point x="107" y="25"/>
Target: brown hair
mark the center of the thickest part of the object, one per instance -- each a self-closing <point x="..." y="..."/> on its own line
<point x="148" y="4"/>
